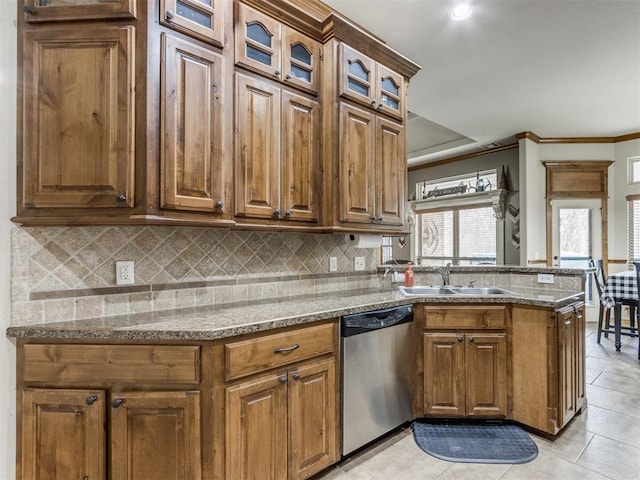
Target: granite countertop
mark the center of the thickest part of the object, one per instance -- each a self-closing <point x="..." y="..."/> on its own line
<point x="221" y="321"/>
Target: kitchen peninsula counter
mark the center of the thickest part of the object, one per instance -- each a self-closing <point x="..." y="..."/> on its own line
<point x="232" y="319"/>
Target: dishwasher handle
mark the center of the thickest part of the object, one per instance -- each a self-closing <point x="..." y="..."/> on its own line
<point x="376" y="320"/>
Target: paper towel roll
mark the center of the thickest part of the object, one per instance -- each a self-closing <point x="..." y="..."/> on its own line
<point x="363" y="240"/>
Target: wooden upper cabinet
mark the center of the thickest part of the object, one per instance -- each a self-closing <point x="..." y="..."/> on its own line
<point x="372" y="168"/>
<point x="62" y="10"/>
<point x="300" y="157"/>
<point x="155" y="435"/>
<point x="277" y="152"/>
<point x="203" y="19"/>
<point x="357" y="174"/>
<point x="78" y="106"/>
<point x="265" y="46"/>
<point x="62" y="435"/>
<point x="390" y="171"/>
<point x="370" y="83"/>
<point x="191" y="151"/>
<point x="257" y="173"/>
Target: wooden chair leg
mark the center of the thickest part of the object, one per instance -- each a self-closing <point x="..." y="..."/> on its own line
<point x="600" y="320"/>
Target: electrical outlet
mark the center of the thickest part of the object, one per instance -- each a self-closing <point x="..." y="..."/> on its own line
<point x="545" y="278"/>
<point x="124" y="273"/>
<point x="333" y="264"/>
<point x="397" y="277"/>
<point x="358" y="264"/>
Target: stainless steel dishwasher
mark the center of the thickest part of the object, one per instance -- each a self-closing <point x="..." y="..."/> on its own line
<point x="376" y="374"/>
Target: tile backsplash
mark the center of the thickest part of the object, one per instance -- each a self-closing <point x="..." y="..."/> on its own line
<point x="65" y="273"/>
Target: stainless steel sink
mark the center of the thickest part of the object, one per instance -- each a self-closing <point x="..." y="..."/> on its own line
<point x="447" y="290"/>
<point x="420" y="291"/>
<point x="482" y="291"/>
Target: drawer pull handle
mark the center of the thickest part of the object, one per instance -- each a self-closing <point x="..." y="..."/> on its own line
<point x="91" y="399"/>
<point x="287" y="349"/>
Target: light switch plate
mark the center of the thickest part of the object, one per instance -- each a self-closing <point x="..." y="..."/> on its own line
<point x="397" y="277"/>
<point x="358" y="264"/>
<point x="545" y="278"/>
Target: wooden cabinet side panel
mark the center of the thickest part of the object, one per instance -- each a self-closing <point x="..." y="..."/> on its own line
<point x="357" y="165"/>
<point x="390" y="170"/>
<point x="78" y="130"/>
<point x="300" y="157"/>
<point x="567" y="372"/>
<point x="312" y="418"/>
<point x="62" y="435"/>
<point x="532" y="367"/>
<point x="256" y="429"/>
<point x="486" y="374"/>
<point x="444" y="384"/>
<point x="192" y="132"/>
<point x="156" y="435"/>
<point x="257" y="174"/>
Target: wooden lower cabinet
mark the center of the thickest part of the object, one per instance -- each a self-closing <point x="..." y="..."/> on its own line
<point x="282" y="425"/>
<point x="548" y="366"/>
<point x="148" y="435"/>
<point x="465" y="374"/>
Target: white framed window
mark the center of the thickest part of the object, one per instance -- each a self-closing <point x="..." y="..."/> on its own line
<point x="462" y="236"/>
<point x="634" y="170"/>
<point x="633" y="228"/>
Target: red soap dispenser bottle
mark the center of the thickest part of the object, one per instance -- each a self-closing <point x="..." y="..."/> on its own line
<point x="408" y="276"/>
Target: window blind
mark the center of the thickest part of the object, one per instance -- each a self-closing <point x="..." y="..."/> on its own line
<point x="633" y="228"/>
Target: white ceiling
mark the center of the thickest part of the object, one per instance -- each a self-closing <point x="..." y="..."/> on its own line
<point x="557" y="68"/>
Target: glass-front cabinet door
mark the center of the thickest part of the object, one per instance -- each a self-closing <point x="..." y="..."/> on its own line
<point x="356" y="76"/>
<point x="370" y="83"/>
<point x="203" y="19"/>
<point x="258" y="41"/>
<point x="300" y="60"/>
<point x="50" y="10"/>
<point x="390" y="96"/>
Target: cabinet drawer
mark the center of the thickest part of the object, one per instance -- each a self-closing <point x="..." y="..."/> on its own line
<point x="259" y="354"/>
<point x="482" y="317"/>
<point x="99" y="364"/>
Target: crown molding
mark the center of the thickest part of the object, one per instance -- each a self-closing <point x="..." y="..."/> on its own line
<point x="557" y="140"/>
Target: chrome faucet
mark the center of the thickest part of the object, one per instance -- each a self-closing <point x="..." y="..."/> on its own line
<point x="445" y="273"/>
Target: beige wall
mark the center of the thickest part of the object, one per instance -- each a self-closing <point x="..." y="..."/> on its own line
<point x="7" y="209"/>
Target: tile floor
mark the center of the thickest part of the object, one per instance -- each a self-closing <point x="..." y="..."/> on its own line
<point x="602" y="443"/>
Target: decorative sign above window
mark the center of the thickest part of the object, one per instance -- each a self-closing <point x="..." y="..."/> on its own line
<point x="439" y="192"/>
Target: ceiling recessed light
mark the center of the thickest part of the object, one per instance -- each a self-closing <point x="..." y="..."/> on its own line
<point x="460" y="12"/>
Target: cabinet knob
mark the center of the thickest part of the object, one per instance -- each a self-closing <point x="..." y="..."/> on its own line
<point x="169" y="14"/>
<point x="276" y="213"/>
<point x="28" y="10"/>
<point x="471" y="339"/>
<point x="460" y="338"/>
<point x="379" y="107"/>
<point x="91" y="399"/>
<point x="282" y="379"/>
<point x="287" y="214"/>
<point x="373" y="102"/>
<point x="379" y="219"/>
<point x="120" y="198"/>
<point x="296" y="376"/>
<point x="373" y="219"/>
<point x="277" y="73"/>
<point x="117" y="402"/>
<point x="288" y="76"/>
<point x="219" y="204"/>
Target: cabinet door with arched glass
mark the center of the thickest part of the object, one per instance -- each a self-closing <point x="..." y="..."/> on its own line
<point x="258" y="41"/>
<point x="390" y="92"/>
<point x="357" y="76"/>
<point x="300" y="60"/>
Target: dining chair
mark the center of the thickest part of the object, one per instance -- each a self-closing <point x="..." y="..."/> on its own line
<point x="604" y="313"/>
<point x="636" y="266"/>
